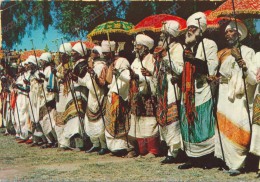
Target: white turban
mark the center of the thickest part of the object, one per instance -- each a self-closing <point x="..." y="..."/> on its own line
<point x="31" y="59"/>
<point x="171" y="27"/>
<point x="108" y="46"/>
<point x="193" y="21"/>
<point x="242" y="30"/>
<point x="78" y="48"/>
<point x="99" y="50"/>
<point x="46" y="56"/>
<point x="65" y="48"/>
<point x="145" y="40"/>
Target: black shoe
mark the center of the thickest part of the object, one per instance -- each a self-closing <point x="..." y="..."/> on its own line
<point x="93" y="149"/>
<point x="168" y="160"/>
<point x="234" y="172"/>
<point x="185" y="166"/>
<point x="103" y="152"/>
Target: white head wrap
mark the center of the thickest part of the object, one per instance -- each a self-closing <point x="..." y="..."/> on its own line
<point x="31" y="59"/>
<point x="242" y="30"/>
<point x="108" y="46"/>
<point x="145" y="40"/>
<point x="65" y="48"/>
<point x="193" y="21"/>
<point x="46" y="56"/>
<point x="99" y="50"/>
<point x="78" y="48"/>
<point x="171" y="27"/>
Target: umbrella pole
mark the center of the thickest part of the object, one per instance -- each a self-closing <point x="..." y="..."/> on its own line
<point x="214" y="109"/>
<point x="243" y="72"/>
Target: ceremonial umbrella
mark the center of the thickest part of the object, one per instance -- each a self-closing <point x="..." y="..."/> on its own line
<point x="114" y="28"/>
<point x="88" y="44"/>
<point x="26" y="54"/>
<point x="154" y="23"/>
<point x="243" y="8"/>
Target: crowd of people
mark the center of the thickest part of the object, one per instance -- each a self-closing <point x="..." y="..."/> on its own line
<point x="200" y="101"/>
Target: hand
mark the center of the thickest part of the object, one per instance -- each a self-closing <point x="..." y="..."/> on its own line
<point x="175" y="79"/>
<point x="73" y="77"/>
<point x="133" y="75"/>
<point x="26" y="82"/>
<point x="242" y="64"/>
<point x="41" y="75"/>
<point x="212" y="78"/>
<point x="91" y="64"/>
<point x="145" y="72"/>
<point x="236" y="54"/>
<point x="188" y="55"/>
<point x="53" y="70"/>
<point x="39" y="80"/>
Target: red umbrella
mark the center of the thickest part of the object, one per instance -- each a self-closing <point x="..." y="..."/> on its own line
<point x="215" y="22"/>
<point x="26" y="54"/>
<point x="245" y="7"/>
<point x="154" y="23"/>
<point x="88" y="44"/>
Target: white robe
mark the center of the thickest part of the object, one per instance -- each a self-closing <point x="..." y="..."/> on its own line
<point x="123" y="86"/>
<point x="171" y="133"/>
<point x="142" y="126"/>
<point x="94" y="129"/>
<point x="255" y="139"/>
<point x="231" y="110"/>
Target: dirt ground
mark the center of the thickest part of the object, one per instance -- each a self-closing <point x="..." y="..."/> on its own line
<point x="19" y="162"/>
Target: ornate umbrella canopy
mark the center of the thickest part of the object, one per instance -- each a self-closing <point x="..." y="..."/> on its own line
<point x="214" y="23"/>
<point x="242" y="8"/>
<point x="26" y="54"/>
<point x="154" y="23"/>
<point x="88" y="44"/>
<point x="111" y="27"/>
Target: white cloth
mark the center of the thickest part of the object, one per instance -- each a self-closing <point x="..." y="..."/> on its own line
<point x="121" y="65"/>
<point x="201" y="23"/>
<point x="144" y="127"/>
<point x="122" y="81"/>
<point x="234" y="145"/>
<point x="80" y="47"/>
<point x="171" y="27"/>
<point x="65" y="48"/>
<point x="145" y="40"/>
<point x="94" y="128"/>
<point x="46" y="56"/>
<point x="108" y="46"/>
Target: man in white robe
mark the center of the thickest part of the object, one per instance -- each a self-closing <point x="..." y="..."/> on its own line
<point x="232" y="113"/>
<point x="144" y="128"/>
<point x="95" y="81"/>
<point x="197" y="115"/>
<point x="168" y="74"/>
<point x="117" y="111"/>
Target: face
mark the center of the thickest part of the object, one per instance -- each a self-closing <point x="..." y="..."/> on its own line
<point x="231" y="36"/>
<point x="192" y="34"/>
<point x="141" y="49"/>
<point x="64" y="58"/>
<point x="94" y="54"/>
<point x="75" y="55"/>
<point x="107" y="55"/>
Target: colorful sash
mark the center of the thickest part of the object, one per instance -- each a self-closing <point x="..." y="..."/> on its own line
<point x="117" y="117"/>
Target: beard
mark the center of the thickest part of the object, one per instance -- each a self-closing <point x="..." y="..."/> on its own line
<point x="141" y="52"/>
<point x="232" y="41"/>
<point x="191" y="37"/>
